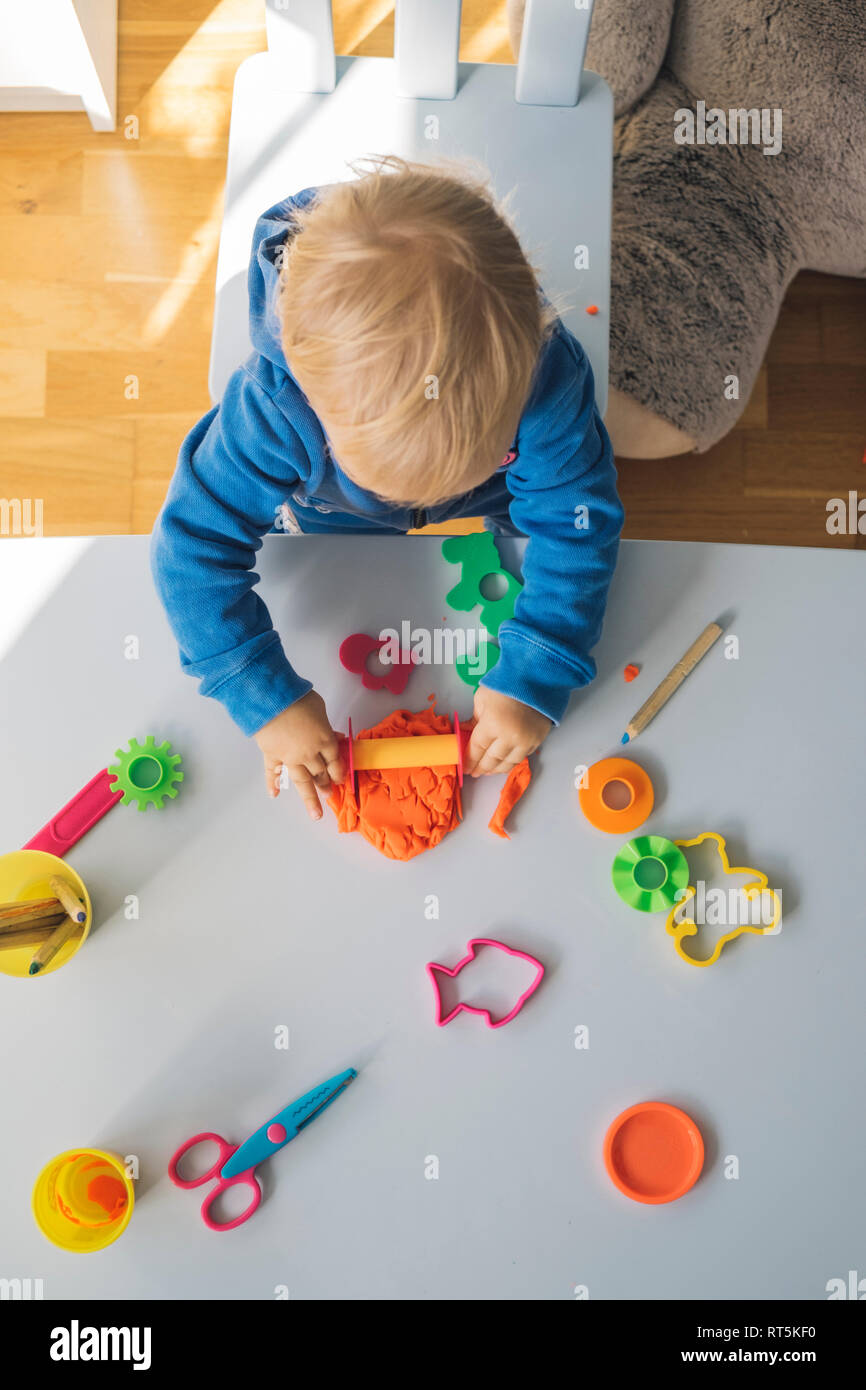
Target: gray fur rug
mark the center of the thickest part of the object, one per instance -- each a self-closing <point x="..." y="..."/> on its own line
<point x="708" y="235"/>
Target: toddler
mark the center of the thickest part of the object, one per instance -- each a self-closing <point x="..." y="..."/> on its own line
<point x="406" y="369"/>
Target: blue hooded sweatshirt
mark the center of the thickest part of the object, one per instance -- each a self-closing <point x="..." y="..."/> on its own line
<point x="260" y="461"/>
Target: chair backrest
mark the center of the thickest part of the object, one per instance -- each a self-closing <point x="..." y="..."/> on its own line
<point x="426" y="43"/>
<point x="552" y="49"/>
<point x="301" y="37"/>
<point x="426" y="47"/>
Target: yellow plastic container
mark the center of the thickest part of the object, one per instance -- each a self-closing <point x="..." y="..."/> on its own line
<point x="83" y="1200"/>
<point x="24" y="874"/>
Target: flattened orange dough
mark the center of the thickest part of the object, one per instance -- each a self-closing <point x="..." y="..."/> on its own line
<point x="516" y="783"/>
<point x="404" y="811"/>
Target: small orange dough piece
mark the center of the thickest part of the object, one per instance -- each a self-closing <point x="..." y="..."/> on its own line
<point x="401" y="811"/>
<point x="516" y="783"/>
<point x="592" y="308"/>
<point x="631" y="671"/>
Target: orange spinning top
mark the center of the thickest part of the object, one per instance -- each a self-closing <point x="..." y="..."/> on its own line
<point x="618" y="796"/>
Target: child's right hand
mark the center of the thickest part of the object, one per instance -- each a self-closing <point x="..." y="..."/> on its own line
<point x="301" y="740"/>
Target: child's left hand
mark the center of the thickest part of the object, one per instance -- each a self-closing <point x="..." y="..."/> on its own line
<point x="506" y="732"/>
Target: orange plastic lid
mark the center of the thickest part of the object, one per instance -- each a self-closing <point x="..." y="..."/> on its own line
<point x="618" y="795"/>
<point x="653" y="1152"/>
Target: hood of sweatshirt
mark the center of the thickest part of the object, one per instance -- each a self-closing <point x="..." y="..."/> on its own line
<point x="273" y="229"/>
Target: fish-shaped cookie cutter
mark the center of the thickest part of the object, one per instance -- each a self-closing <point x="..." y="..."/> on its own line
<point x="476" y="941"/>
<point x="760" y="885"/>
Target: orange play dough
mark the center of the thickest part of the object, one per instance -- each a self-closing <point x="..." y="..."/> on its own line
<point x="404" y="811"/>
<point x="109" y="1193"/>
<point x="516" y="783"/>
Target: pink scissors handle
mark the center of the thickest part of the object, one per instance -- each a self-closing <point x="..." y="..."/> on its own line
<point x="247" y="1179"/>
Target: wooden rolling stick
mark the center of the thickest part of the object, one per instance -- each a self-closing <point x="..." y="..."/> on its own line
<point x="426" y="750"/>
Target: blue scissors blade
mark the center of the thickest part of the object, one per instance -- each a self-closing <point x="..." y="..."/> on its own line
<point x="286" y="1125"/>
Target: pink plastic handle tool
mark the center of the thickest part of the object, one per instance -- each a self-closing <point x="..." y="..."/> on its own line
<point x="353" y="781"/>
<point x="461" y="737"/>
<point x="221" y="1184"/>
<point x="77" y="816"/>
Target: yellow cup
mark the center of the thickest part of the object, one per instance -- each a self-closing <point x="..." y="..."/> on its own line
<point x="24" y="874"/>
<point x="83" y="1200"/>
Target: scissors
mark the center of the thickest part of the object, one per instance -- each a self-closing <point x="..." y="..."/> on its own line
<point x="235" y="1164"/>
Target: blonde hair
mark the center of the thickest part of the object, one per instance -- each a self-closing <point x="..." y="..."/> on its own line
<point x="412" y="322"/>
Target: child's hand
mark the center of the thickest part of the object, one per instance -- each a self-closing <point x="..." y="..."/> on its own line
<point x="301" y="740"/>
<point x="506" y="733"/>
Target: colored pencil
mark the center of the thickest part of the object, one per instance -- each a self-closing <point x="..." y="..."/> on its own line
<point x="33" y="923"/>
<point x="56" y="941"/>
<point x="31" y="936"/>
<point x="70" y="900"/>
<point x="672" y="681"/>
<point x="29" y="911"/>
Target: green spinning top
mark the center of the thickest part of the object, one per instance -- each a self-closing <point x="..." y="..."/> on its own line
<point x="650" y="873"/>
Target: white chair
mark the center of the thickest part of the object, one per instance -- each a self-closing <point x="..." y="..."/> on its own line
<point x="60" y="55"/>
<point x="300" y="116"/>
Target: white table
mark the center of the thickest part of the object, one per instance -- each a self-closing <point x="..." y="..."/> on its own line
<point x="251" y="917"/>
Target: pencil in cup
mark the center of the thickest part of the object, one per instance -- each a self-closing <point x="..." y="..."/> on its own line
<point x="55" y="942"/>
<point x="70" y="900"/>
<point x="15" y="915"/>
<point x="672" y="681"/>
<point x="31" y="935"/>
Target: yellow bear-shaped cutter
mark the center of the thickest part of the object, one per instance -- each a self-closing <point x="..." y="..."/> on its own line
<point x="760" y="885"/>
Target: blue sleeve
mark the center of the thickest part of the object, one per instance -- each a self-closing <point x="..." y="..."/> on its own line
<point x="564" y="498"/>
<point x="234" y="470"/>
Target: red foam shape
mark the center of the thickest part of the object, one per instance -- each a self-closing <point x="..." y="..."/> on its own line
<point x="354" y="653"/>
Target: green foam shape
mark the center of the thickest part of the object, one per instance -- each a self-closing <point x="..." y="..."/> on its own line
<point x="478" y="557"/>
<point x="674" y="862"/>
<point x="471" y="672"/>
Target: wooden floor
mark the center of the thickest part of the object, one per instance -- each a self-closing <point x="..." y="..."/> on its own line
<point x="800" y="442"/>
<point x="107" y="261"/>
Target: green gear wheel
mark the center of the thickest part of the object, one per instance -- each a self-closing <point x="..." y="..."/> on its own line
<point x="146" y="773"/>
